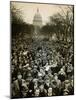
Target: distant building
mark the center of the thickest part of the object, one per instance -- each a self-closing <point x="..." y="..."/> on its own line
<point x="37" y="22"/>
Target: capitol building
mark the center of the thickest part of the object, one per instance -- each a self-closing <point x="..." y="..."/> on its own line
<point x="37" y="22"/>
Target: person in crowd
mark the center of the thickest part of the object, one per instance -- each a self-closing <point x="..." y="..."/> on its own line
<point x="47" y="83"/>
<point x="57" y="80"/>
<point x="49" y="91"/>
<point x="62" y="75"/>
<point x="17" y="86"/>
<point x="69" y="70"/>
<point x="65" y="92"/>
<point x="37" y="92"/>
<point x="43" y="92"/>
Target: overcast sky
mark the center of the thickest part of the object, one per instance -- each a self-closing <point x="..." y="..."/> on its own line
<point x="28" y="10"/>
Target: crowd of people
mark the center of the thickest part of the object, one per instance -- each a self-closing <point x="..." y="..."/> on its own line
<point x="40" y="69"/>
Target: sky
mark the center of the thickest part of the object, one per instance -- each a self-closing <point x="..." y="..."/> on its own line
<point x="28" y="10"/>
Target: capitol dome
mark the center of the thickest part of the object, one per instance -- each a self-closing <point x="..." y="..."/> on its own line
<point x="37" y="21"/>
